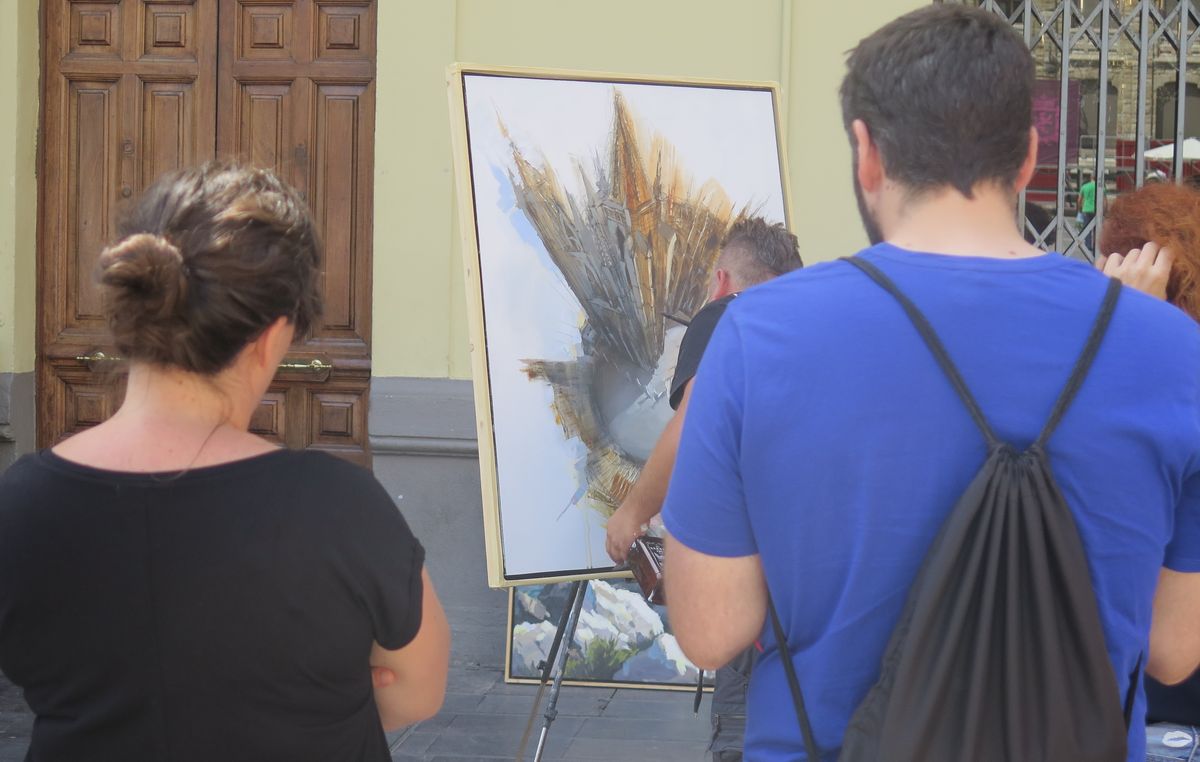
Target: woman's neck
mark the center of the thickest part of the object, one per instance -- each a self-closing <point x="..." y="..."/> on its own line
<point x="172" y="420"/>
<point x="180" y="399"/>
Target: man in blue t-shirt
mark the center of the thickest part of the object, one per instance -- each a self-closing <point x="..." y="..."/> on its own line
<point x="824" y="447"/>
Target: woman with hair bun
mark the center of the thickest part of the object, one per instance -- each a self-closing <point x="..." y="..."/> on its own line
<point x="173" y="587"/>
<point x="1159" y="226"/>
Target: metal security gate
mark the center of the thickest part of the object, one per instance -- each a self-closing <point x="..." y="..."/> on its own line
<point x="1117" y="100"/>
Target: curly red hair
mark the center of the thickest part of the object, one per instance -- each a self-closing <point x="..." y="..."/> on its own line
<point x="1169" y="215"/>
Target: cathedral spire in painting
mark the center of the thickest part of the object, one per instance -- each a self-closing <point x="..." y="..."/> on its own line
<point x="637" y="245"/>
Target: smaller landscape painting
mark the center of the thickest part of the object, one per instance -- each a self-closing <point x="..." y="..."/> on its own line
<point x="620" y="638"/>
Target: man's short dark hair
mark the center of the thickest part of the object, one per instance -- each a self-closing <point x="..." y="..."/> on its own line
<point x="756" y="250"/>
<point x="947" y="94"/>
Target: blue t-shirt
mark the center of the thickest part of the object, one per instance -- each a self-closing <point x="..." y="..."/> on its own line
<point x="822" y="436"/>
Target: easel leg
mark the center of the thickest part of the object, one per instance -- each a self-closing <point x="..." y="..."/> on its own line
<point x="568" y="611"/>
<point x="567" y="635"/>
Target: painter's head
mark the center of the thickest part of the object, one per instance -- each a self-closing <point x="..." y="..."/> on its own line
<point x="754" y="251"/>
<point x="208" y="260"/>
<point x="939" y="98"/>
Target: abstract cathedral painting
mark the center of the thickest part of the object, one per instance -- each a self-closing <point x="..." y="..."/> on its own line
<point x="593" y="211"/>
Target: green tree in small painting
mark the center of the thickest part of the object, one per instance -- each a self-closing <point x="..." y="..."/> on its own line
<point x="601" y="660"/>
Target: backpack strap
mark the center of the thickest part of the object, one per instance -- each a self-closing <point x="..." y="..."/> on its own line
<point x="1084" y="363"/>
<point x="935" y="344"/>
<point x="785" y="655"/>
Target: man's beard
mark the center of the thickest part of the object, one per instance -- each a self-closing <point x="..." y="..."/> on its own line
<point x="870" y="225"/>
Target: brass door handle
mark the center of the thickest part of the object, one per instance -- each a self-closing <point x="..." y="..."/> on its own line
<point x="99" y="360"/>
<point x="316" y="366"/>
<point x="319" y="369"/>
<point x="98" y="356"/>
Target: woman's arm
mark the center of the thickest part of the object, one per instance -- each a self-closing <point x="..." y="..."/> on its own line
<point x="1146" y="269"/>
<point x="410" y="682"/>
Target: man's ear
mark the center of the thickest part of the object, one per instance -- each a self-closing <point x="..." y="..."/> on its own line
<point x="1029" y="166"/>
<point x="868" y="164"/>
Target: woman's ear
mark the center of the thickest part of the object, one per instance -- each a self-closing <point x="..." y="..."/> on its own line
<point x="273" y="343"/>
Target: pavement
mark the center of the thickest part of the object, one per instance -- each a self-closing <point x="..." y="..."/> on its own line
<point x="483" y="719"/>
<point x="16" y="723"/>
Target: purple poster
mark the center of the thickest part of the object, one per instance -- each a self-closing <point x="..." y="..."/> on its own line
<point x="1046" y="116"/>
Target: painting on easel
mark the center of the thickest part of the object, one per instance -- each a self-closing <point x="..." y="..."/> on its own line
<point x="592" y="209"/>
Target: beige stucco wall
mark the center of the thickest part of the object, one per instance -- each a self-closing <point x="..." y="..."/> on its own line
<point x="420" y="325"/>
<point x="420" y="311"/>
<point x="18" y="185"/>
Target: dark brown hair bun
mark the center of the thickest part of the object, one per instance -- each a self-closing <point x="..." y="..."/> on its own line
<point x="145" y="278"/>
<point x="208" y="259"/>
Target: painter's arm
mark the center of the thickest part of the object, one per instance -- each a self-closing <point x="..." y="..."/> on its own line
<point x="646" y="498"/>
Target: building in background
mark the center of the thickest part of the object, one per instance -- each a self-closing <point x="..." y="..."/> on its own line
<point x="1119" y="86"/>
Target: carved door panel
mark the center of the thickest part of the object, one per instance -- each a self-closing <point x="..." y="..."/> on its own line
<point x="297" y="95"/>
<point x="128" y="89"/>
<point x="136" y="87"/>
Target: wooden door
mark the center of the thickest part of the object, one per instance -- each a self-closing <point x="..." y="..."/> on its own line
<point x="133" y="88"/>
<point x="128" y="89"/>
<point x="297" y="95"/>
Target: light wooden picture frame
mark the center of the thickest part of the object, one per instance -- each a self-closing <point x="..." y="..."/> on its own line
<point x="591" y="207"/>
<point x="621" y="641"/>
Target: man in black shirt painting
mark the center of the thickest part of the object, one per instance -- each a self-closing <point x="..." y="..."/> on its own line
<point x="754" y="251"/>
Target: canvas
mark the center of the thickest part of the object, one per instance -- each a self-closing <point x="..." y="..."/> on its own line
<point x="620" y="639"/>
<point x="593" y="209"/>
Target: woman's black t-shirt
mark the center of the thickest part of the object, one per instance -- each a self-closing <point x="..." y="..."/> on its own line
<point x="223" y="614"/>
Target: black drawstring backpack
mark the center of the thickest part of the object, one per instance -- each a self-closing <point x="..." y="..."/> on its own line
<point x="999" y="654"/>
